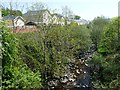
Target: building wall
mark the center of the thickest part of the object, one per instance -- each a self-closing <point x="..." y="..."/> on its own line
<point x="58" y="20"/>
<point x="55" y="19"/>
<point x="62" y="21"/>
<point x="25" y="29"/>
<point x="47" y="18"/>
<point x="18" y="22"/>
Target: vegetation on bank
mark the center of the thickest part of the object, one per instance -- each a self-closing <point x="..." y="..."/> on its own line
<point x="16" y="74"/>
<point x="50" y="50"/>
<point x="30" y="59"/>
<point x="108" y="57"/>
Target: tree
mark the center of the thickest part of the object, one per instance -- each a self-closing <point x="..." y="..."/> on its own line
<point x="97" y="27"/>
<point x="108" y="57"/>
<point x="67" y="13"/>
<point x="109" y="42"/>
<point x="15" y="73"/>
<point x="9" y="10"/>
<point x="50" y="52"/>
<point x="76" y="17"/>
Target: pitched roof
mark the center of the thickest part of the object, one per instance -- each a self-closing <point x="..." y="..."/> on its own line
<point x="12" y="17"/>
<point x="35" y="12"/>
<point x="35" y="16"/>
<point x="9" y="17"/>
<point x="82" y="21"/>
<point x="58" y="15"/>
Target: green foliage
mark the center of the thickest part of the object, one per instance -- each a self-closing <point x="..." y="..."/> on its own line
<point x="31" y="50"/>
<point x="105" y="71"/>
<point x="97" y="26"/>
<point x="109" y="71"/>
<point x="9" y="46"/>
<point x="108" y="75"/>
<point x="109" y="42"/>
<point x="49" y="50"/>
<point x="97" y="59"/>
<point x="77" y="17"/>
<point x="7" y="11"/>
<point x="106" y="63"/>
<point x="16" y="75"/>
<point x="20" y="77"/>
<point x="115" y="84"/>
<point x="80" y="37"/>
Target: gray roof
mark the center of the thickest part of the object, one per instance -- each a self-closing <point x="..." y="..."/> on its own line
<point x="12" y="17"/>
<point x="34" y="16"/>
<point x="9" y="17"/>
<point x="82" y="21"/>
<point x="58" y="15"/>
<point x="34" y="12"/>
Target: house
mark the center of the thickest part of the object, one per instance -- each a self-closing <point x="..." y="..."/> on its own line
<point x="39" y="17"/>
<point x="29" y="27"/>
<point x="14" y="21"/>
<point x="81" y="21"/>
<point x="58" y="19"/>
<point x="47" y="18"/>
<point x="18" y="24"/>
<point x="30" y="24"/>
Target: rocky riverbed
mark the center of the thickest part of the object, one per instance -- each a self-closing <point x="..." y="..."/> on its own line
<point x="77" y="75"/>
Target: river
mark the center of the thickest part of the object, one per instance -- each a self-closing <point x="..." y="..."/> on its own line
<point x="77" y="75"/>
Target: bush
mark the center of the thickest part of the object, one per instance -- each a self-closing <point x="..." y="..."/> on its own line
<point x="108" y="71"/>
<point x="51" y="49"/>
<point x="16" y="75"/>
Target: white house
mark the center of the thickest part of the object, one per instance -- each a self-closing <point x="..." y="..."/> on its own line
<point x="19" y="21"/>
<point x="55" y="19"/>
<point x="47" y="18"/>
<point x="58" y="19"/>
<point x="14" y="21"/>
<point x="44" y="17"/>
<point x="38" y="17"/>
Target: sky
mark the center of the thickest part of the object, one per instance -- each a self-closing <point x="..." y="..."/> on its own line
<point x="87" y="9"/>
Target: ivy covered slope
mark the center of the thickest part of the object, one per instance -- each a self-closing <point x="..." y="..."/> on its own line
<point x="16" y="74"/>
<point x="108" y="57"/>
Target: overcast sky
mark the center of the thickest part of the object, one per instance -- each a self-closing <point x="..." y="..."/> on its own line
<point x="87" y="9"/>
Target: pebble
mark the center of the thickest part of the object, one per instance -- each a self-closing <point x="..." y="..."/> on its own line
<point x="71" y="79"/>
<point x="63" y="80"/>
<point x="86" y="64"/>
<point x="74" y="76"/>
<point x="77" y="71"/>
